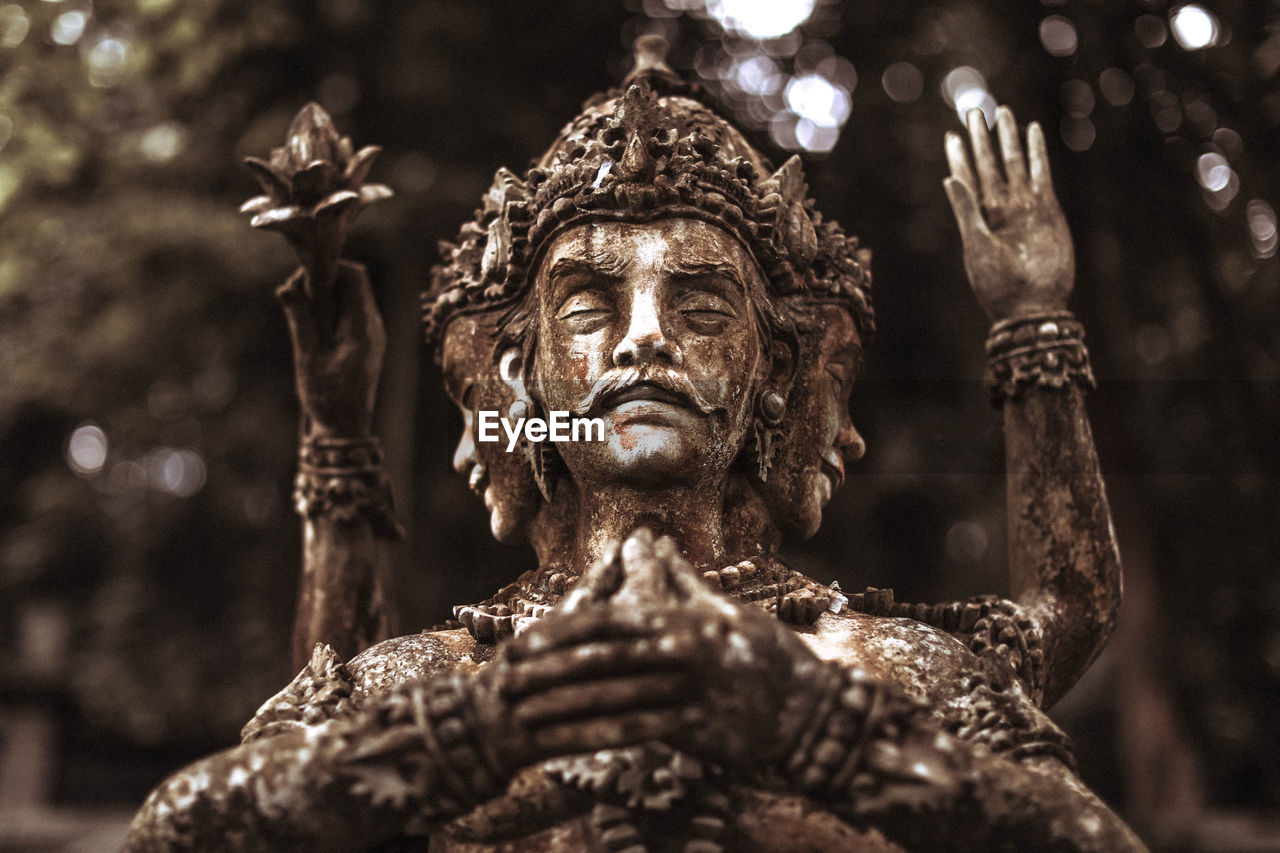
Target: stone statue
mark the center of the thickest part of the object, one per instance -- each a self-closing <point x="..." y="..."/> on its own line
<point x="662" y="681"/>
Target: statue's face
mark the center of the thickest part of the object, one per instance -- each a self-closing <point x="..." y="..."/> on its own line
<point x="651" y="327"/>
<point x="819" y="437"/>
<point x="501" y="479"/>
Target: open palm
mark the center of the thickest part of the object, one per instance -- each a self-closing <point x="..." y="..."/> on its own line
<point x="1017" y="248"/>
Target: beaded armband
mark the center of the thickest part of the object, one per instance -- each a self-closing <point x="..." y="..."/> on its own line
<point x="343" y="478"/>
<point x="1043" y="351"/>
<point x="442" y="708"/>
<point x="867" y="740"/>
<point x="419" y="750"/>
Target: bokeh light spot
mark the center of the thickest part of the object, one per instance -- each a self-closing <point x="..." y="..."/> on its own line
<point x="107" y="61"/>
<point x="1165" y="111"/>
<point x="1058" y="35"/>
<point x="756" y="75"/>
<point x="760" y="19"/>
<point x="902" y="82"/>
<point x="1116" y="86"/>
<point x="818" y="100"/>
<point x="177" y="472"/>
<point x="163" y="142"/>
<point x="1077" y="97"/>
<point x="87" y="450"/>
<point x="1078" y="134"/>
<point x="1262" y="228"/>
<point x="967" y="542"/>
<point x="14" y="25"/>
<point x="1194" y="27"/>
<point x="1212" y="171"/>
<point x="816" y="137"/>
<point x="1220" y="199"/>
<point x="1151" y="31"/>
<point x="68" y="27"/>
<point x="966" y="89"/>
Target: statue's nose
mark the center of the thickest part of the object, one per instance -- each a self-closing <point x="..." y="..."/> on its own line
<point x="850" y="443"/>
<point x="464" y="455"/>
<point x="645" y="342"/>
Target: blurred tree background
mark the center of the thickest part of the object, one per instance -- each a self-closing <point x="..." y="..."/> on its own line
<point x="148" y="551"/>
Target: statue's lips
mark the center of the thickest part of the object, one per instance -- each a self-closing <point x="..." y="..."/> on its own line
<point x="648" y="393"/>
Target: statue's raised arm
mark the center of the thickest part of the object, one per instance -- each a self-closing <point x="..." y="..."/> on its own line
<point x="313" y="190"/>
<point x="1063" y="561"/>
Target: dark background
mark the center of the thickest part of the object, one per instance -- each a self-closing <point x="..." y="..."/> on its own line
<point x="145" y="608"/>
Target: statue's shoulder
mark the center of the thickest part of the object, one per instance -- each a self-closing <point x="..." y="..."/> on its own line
<point x="327" y="688"/>
<point x="898" y="650"/>
<point x="973" y="690"/>
<point x="384" y="666"/>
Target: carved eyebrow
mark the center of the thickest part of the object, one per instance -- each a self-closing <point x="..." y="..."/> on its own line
<point x="595" y="263"/>
<point x="699" y="269"/>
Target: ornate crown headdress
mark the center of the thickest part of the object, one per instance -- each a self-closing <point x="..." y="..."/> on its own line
<point x="652" y="149"/>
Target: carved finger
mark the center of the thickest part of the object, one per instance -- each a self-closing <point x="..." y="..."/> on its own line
<point x="645" y="578"/>
<point x="601" y="699"/>
<point x="958" y="160"/>
<point x="613" y="732"/>
<point x="1015" y="167"/>
<point x="984" y="159"/>
<point x="598" y="660"/>
<point x="297" y="312"/>
<point x="1041" y="181"/>
<point x="599" y="581"/>
<point x="965" y="207"/>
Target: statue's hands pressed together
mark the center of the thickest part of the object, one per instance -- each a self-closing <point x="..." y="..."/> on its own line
<point x="1017" y="247"/>
<point x="643" y="650"/>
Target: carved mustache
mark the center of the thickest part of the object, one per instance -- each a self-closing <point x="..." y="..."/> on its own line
<point x="672" y="382"/>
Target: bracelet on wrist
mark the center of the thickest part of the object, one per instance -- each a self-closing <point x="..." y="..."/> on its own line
<point x="343" y="478"/>
<point x="869" y="742"/>
<point x="1038" y="351"/>
<point x="442" y="709"/>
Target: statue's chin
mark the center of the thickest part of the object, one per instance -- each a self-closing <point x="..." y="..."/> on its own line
<point x="503" y="526"/>
<point x="640" y="454"/>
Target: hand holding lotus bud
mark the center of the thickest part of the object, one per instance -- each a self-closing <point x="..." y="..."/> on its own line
<point x="314" y="188"/>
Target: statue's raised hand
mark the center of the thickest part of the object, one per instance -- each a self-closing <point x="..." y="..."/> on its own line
<point x="642" y="650"/>
<point x="1017" y="248"/>
<point x="314" y="188"/>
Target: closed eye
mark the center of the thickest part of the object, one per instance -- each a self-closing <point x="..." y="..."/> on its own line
<point x="585" y="310"/>
<point x="706" y="312"/>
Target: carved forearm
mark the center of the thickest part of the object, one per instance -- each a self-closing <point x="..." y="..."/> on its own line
<point x="345" y="504"/>
<point x="401" y="766"/>
<point x="1063" y="561"/>
<point x="879" y="760"/>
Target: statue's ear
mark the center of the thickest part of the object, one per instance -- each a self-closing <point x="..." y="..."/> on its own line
<point x="511" y="371"/>
<point x="771" y="401"/>
<point x="781" y="367"/>
<point x="543" y="458"/>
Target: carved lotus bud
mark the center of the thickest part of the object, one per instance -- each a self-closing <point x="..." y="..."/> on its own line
<point x="314" y="175"/>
